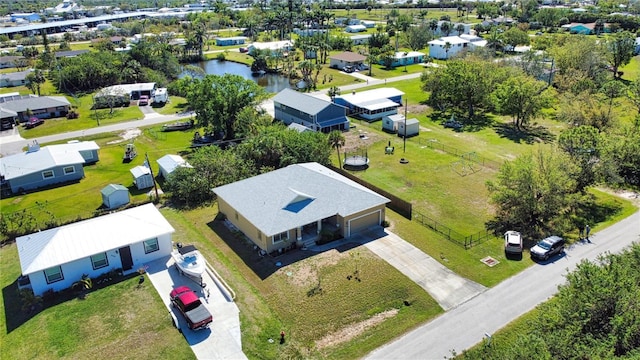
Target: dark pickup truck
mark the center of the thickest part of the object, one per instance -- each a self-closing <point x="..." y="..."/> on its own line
<point x="197" y="315"/>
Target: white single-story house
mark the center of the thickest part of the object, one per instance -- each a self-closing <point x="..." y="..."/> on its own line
<point x="297" y="203"/>
<point x="49" y="165"/>
<point x="360" y="39"/>
<point x="446" y="47"/>
<point x="169" y="163"/>
<point x="402" y="58"/>
<point x="412" y="127"/>
<point x="318" y="114"/>
<point x="346" y="58"/>
<point x="11" y="79"/>
<point x="368" y="24"/>
<point x="372" y="104"/>
<point x="56" y="258"/>
<point x="9" y="61"/>
<point x="274" y="46"/>
<point x="114" y="196"/>
<point x="355" y="28"/>
<point x="8" y="119"/>
<point x="142" y="177"/>
<point x="134" y="91"/>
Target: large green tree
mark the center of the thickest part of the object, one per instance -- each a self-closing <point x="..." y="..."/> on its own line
<point x="522" y="97"/>
<point x="620" y="47"/>
<point x="463" y="85"/>
<point x="218" y="99"/>
<point x="417" y="37"/>
<point x="582" y="144"/>
<point x="534" y="193"/>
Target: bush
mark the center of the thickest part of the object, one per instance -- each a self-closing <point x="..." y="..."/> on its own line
<point x="221" y="57"/>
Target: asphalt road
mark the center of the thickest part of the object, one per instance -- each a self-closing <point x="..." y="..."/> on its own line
<point x="467" y="324"/>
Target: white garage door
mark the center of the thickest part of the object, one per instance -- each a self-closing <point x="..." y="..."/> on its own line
<point x="363" y="222"/>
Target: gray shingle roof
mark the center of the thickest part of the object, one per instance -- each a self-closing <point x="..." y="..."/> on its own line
<point x="17" y="75"/>
<point x="306" y="103"/>
<point x="295" y="196"/>
<point x="34" y="103"/>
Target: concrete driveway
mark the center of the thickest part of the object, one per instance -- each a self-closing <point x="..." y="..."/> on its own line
<point x="467" y="324"/>
<point x="222" y="340"/>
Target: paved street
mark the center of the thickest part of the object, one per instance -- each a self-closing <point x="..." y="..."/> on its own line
<point x="466" y="325"/>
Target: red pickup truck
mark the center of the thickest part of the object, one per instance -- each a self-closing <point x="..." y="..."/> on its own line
<point x="197" y="315"/>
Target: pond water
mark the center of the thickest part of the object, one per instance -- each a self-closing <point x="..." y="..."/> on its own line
<point x="271" y="82"/>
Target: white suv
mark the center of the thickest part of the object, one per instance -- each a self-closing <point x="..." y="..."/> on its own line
<point x="512" y="242"/>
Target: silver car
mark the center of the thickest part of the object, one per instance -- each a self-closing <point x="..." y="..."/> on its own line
<point x="512" y="242"/>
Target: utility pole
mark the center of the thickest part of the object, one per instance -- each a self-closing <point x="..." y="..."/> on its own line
<point x="155" y="186"/>
<point x="406" y="104"/>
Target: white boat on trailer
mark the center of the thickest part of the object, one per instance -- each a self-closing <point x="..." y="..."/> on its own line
<point x="189" y="260"/>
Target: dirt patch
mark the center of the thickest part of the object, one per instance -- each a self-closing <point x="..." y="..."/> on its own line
<point x="127" y="135"/>
<point x="353" y="330"/>
<point x="359" y="139"/>
<point x="632" y="196"/>
<point x="417" y="109"/>
<point x="305" y="273"/>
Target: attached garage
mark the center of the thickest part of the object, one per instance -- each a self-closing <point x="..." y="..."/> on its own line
<point x="364" y="221"/>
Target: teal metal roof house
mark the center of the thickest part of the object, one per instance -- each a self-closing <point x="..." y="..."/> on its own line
<point x="235" y="40"/>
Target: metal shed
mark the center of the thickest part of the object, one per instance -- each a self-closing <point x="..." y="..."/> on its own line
<point x="114" y="196"/>
<point x="142" y="177"/>
<point x="413" y="128"/>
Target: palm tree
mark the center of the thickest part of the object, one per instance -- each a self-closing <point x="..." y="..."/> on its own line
<point x="333" y="92"/>
<point x="447" y="46"/>
<point x="336" y="140"/>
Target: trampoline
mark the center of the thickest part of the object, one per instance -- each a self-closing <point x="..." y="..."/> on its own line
<point x="356" y="163"/>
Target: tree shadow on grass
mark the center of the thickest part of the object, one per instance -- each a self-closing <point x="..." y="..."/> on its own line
<point x="529" y="135"/>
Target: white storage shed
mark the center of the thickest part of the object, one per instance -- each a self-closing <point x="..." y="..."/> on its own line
<point x="142" y="177"/>
<point x="413" y="128"/>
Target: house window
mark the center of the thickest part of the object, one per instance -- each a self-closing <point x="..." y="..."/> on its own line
<point x="151" y="246"/>
<point x="53" y="274"/>
<point x="281" y="237"/>
<point x="69" y="170"/>
<point x="47" y="174"/>
<point x="99" y="261"/>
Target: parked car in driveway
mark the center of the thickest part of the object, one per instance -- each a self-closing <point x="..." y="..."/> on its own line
<point x="547" y="247"/>
<point x="33" y="122"/>
<point x="512" y="242"/>
<point x="143" y="101"/>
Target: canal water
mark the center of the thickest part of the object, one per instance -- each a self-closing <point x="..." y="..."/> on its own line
<point x="271" y="82"/>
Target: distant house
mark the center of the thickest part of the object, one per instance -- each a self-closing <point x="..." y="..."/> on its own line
<point x="49" y="165"/>
<point x="346" y="58"/>
<point x="402" y="58"/>
<point x="452" y="28"/>
<point x="124" y="91"/>
<point x="296" y="204"/>
<point x="273" y="46"/>
<point x="228" y="41"/>
<point x="315" y="113"/>
<point x="372" y="105"/>
<point x="637" y="48"/>
<point x="368" y="24"/>
<point x="43" y="107"/>
<point x="142" y="177"/>
<point x="56" y="258"/>
<point x="18" y="78"/>
<point x="309" y="32"/>
<point x="169" y="163"/>
<point x="360" y="39"/>
<point x="355" y="28"/>
<point x="114" y="196"/>
<point x="446" y="47"/>
<point x="30" y="17"/>
<point x="7" y="62"/>
<point x="586" y="29"/>
<point x="70" y="53"/>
